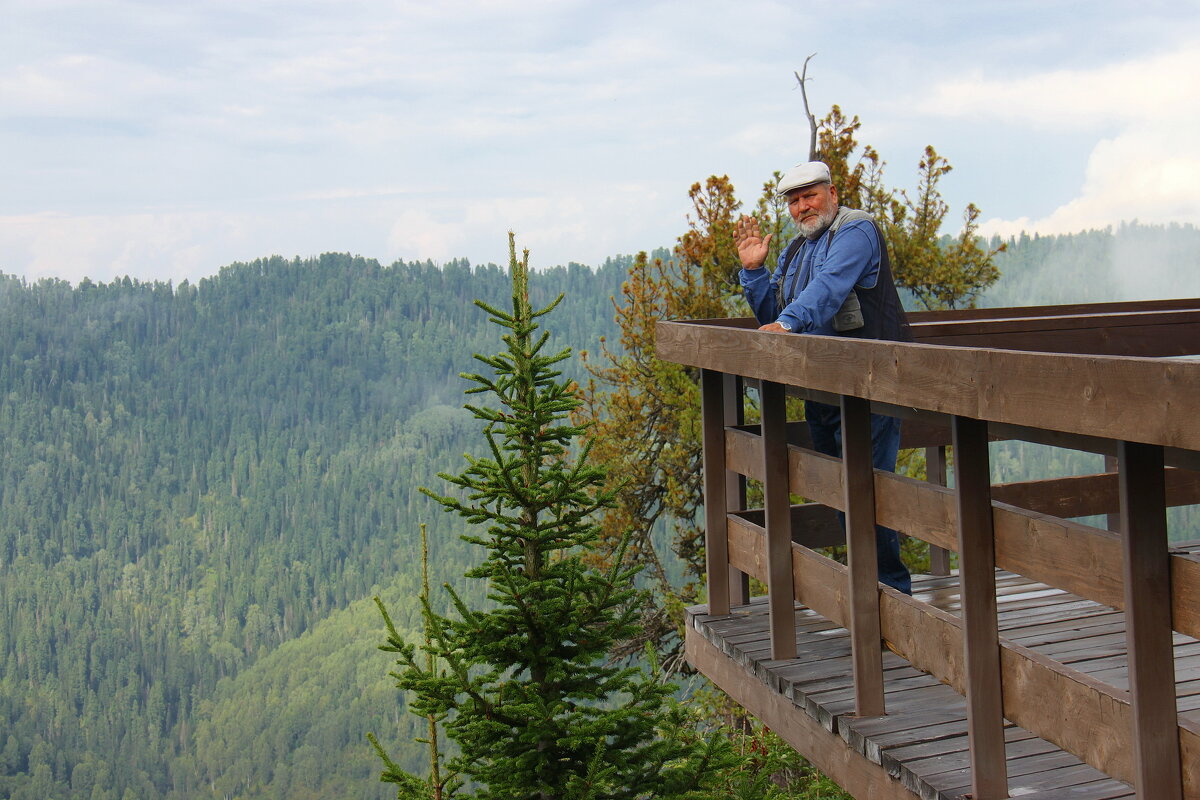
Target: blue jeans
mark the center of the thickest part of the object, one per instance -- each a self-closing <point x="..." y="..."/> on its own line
<point x="825" y="424"/>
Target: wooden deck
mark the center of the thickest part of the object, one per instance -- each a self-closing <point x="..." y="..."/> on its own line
<point x="1074" y="670"/>
<point x="922" y="744"/>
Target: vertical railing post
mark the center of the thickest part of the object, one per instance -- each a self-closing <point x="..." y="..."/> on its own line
<point x="935" y="472"/>
<point x="778" y="510"/>
<point x="735" y="484"/>
<point x="1113" y="520"/>
<point x="716" y="537"/>
<point x="1148" y="629"/>
<point x="866" y="652"/>
<point x="977" y="576"/>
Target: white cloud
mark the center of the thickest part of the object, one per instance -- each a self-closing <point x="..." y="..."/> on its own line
<point x="1145" y="167"/>
<point x="147" y="246"/>
<point x="1156" y="86"/>
<point x="169" y="139"/>
<point x="79" y="84"/>
<point x="1147" y="175"/>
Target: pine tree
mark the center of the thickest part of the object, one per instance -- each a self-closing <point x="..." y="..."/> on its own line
<point x="523" y="688"/>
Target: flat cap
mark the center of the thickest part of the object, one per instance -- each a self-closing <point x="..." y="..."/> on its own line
<point x="802" y="175"/>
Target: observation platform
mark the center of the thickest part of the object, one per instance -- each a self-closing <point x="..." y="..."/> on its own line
<point x="1060" y="659"/>
<point x="923" y="744"/>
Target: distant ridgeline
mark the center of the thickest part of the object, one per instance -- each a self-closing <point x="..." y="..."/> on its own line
<point x="1131" y="262"/>
<point x="202" y="486"/>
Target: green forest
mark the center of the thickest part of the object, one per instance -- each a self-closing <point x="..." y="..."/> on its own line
<point x="204" y="485"/>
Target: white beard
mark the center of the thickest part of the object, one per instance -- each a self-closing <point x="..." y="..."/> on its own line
<point x="814" y="226"/>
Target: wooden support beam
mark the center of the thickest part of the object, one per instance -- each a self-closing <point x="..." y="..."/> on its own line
<point x="735" y="485"/>
<point x="716" y="539"/>
<point x="977" y="572"/>
<point x="1114" y="518"/>
<point x="813" y="524"/>
<point x="866" y="652"/>
<point x="778" y="508"/>
<point x="935" y="473"/>
<point x="1088" y="495"/>
<point x="1148" y="622"/>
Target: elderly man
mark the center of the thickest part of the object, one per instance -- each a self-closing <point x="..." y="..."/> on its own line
<point x="834" y="279"/>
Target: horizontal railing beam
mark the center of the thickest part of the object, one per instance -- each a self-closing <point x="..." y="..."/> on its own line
<point x="1091" y="395"/>
<point x="1077" y="558"/>
<point x="1090" y="495"/>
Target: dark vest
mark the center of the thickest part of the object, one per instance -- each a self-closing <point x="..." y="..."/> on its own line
<point x="882" y="314"/>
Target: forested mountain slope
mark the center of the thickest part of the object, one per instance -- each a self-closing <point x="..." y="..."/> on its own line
<point x="202" y="486"/>
<point x="193" y="479"/>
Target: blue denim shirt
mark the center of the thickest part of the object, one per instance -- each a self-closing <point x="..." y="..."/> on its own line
<point x="826" y="270"/>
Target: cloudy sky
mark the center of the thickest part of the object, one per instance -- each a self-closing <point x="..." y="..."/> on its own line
<point x="164" y="140"/>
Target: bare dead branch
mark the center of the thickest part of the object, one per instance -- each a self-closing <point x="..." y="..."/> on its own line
<point x="801" y="78"/>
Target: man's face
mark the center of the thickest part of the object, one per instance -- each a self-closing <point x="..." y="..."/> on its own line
<point x="813" y="207"/>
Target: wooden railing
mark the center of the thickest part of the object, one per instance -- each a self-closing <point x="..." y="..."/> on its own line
<point x="1142" y="413"/>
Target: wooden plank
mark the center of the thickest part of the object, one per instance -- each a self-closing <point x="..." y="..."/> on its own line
<point x="1055" y="772"/>
<point x="920" y="318"/>
<point x="827" y="751"/>
<point x="1092" y="395"/>
<point x="734" y="408"/>
<point x="1113" y="515"/>
<point x="863" y="562"/>
<point x="813" y="524"/>
<point x="1147" y="577"/>
<point x="935" y="473"/>
<point x="776" y="502"/>
<point x="977" y="570"/>
<point x="715" y="536"/>
<point x="1087" y="495"/>
<point x="1143" y="330"/>
<point x="1185" y="593"/>
<point x="1106" y="789"/>
<point x="1148" y="336"/>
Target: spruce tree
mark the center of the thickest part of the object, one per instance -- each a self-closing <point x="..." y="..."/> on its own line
<point x="523" y="687"/>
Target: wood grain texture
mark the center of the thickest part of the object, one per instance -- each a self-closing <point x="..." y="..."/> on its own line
<point x="734" y="413"/>
<point x="777" y="506"/>
<point x="1146" y="333"/>
<point x="1088" y="495"/>
<point x="1148" y="621"/>
<point x="1098" y="396"/>
<point x="712" y="399"/>
<point x="859" y="502"/>
<point x="935" y="473"/>
<point x="826" y="750"/>
<point x="1068" y="309"/>
<point x="977" y="570"/>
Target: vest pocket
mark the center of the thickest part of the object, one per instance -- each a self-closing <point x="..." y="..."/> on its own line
<point x="849" y="317"/>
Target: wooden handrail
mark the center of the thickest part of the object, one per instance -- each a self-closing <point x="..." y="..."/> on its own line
<point x="1105" y="397"/>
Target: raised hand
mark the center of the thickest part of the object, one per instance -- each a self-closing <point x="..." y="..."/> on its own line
<point x="752" y="247"/>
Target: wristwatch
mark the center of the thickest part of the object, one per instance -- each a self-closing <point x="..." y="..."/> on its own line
<point x="787" y="326"/>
